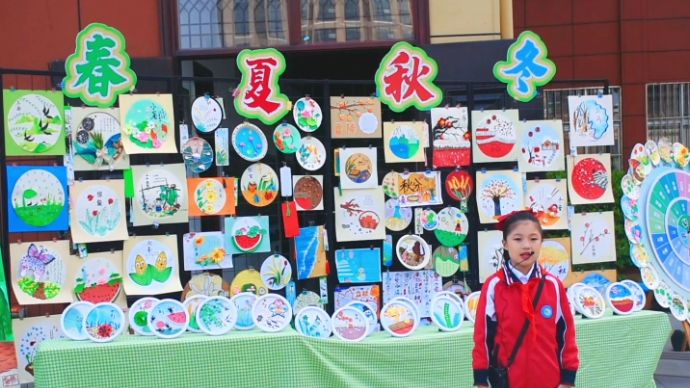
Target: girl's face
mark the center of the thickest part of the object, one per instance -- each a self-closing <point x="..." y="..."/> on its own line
<point x="523" y="244"/>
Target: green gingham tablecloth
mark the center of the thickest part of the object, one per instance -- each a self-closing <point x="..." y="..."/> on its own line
<point x="615" y="351"/>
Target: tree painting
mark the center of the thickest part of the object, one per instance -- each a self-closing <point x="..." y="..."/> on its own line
<point x="590" y="119"/>
<point x="590" y="238"/>
<point x="494" y="191"/>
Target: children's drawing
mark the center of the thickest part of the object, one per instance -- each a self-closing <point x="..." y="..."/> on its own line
<point x="490" y="245"/>
<point x="358" y="265"/>
<point x="446" y="261"/>
<point x="419" y="188"/>
<point x="104" y="322"/>
<point x="359" y="214"/>
<point x="398" y="318"/>
<point x="276" y="272"/>
<point x="222" y="147"/>
<point x="428" y="218"/>
<point x="592" y="238"/>
<point x="248" y="280"/>
<point x="168" y="319"/>
<point x="99" y="279"/>
<point x="310" y="251"/>
<point x="211" y="196"/>
<point x="390" y="184"/>
<point x="547" y="200"/>
<point x="287" y="138"/>
<point x="638" y="294"/>
<point x="307" y="114"/>
<point x="598" y="281"/>
<point x="40" y="272"/>
<point x="148" y="124"/>
<point x="640" y="161"/>
<point x="244" y="302"/>
<point x="197" y="155"/>
<point x="591" y="120"/>
<point x="452" y="227"/>
<point x="259" y="185"/>
<point x="205" y="251"/>
<point x="139" y="315"/>
<point x="369" y="311"/>
<point x="247" y="234"/>
<point x="72" y="320"/>
<point x="397" y="218"/>
<point x="446" y="313"/>
<point x="459" y="186"/>
<point x="34" y="122"/>
<point x="590" y="179"/>
<point x="452" y="147"/>
<point x="678" y="306"/>
<point x="355" y="117"/>
<point x="541" y="146"/>
<point x="160" y="194"/>
<point x="371" y="295"/>
<point x="471" y="305"/>
<point x="192" y="304"/>
<point x="313" y="322"/>
<point x="99" y="211"/>
<point x="308" y="192"/>
<point x="216" y="315"/>
<point x="312" y="154"/>
<point x="413" y="252"/>
<point x="97" y="139"/>
<point x="249" y="142"/>
<point x="620" y="298"/>
<point x="38" y="198"/>
<point x="403" y="142"/>
<point x="358" y="168"/>
<point x="555" y="257"/>
<point x="417" y="286"/>
<point x="349" y="324"/>
<point x="207" y="113"/>
<point x="306" y="299"/>
<point x="272" y="313"/>
<point x="29" y="333"/>
<point x="500" y="192"/>
<point x="206" y="284"/>
<point x="151" y="265"/>
<point x="589" y="302"/>
<point x="495" y="135"/>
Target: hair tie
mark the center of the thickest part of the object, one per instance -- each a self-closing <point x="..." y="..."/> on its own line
<point x="504" y="219"/>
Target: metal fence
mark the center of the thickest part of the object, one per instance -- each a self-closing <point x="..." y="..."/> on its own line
<point x="668" y="112"/>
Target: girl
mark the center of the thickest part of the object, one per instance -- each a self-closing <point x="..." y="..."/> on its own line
<point x="547" y="355"/>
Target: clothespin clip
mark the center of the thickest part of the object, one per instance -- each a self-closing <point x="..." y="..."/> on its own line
<point x="112" y="250"/>
<point x="483" y="170"/>
<point x="225" y="186"/>
<point x="515" y="169"/>
<point x="167" y="234"/>
<point x="19" y="241"/>
<point x="156" y="225"/>
<point x="486" y="230"/>
<point x="342" y="96"/>
<point x="344" y="147"/>
<point x="584" y="214"/>
<point x="307" y="96"/>
<point x="447" y="106"/>
<point x="371" y="247"/>
<point x="80" y="180"/>
<point x="524" y="120"/>
<point x="54" y="239"/>
<point x="459" y="105"/>
<point x="148" y="164"/>
<point x="207" y="97"/>
<point x="12" y="89"/>
<point x="601" y="95"/>
<point x="504" y="108"/>
<point x="55" y="164"/>
<point x="370" y="146"/>
<point x="482" y="110"/>
<point x="158" y="94"/>
<point x="392" y="121"/>
<point x="536" y="180"/>
<point x="162" y="164"/>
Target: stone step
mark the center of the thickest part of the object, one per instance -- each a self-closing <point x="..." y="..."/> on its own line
<point x="674" y="364"/>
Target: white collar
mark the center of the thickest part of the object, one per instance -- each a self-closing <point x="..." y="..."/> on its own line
<point x="524" y="278"/>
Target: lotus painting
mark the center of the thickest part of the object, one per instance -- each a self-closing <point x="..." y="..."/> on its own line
<point x="160" y="194"/>
<point x="99" y="279"/>
<point x="498" y="193"/>
<point x="247" y="235"/>
<point x="591" y="120"/>
<point x="37" y="199"/>
<point x="494" y="135"/>
<point x="152" y="266"/>
<point x="359" y="215"/>
<point x="451" y="137"/>
<point x="358" y="265"/>
<point x="148" y="123"/>
<point x="29" y="333"/>
<point x="99" y="211"/>
<point x="403" y="142"/>
<point x="40" y="271"/>
<point x="205" y="251"/>
<point x="34" y="122"/>
<point x="97" y="139"/>
<point x="310" y="251"/>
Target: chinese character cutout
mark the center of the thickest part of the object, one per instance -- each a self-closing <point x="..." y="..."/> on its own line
<point x="259" y="93"/>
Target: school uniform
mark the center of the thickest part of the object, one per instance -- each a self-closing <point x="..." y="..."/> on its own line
<point x="548" y="355"/>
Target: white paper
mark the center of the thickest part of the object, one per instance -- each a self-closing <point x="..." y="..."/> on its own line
<point x="286" y="181"/>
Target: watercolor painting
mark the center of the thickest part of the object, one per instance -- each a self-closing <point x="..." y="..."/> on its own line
<point x="403" y="142"/>
<point x="313" y="322"/>
<point x="638" y="293"/>
<point x="447" y="313"/>
<point x="371" y="295"/>
<point x="451" y="137"/>
<point x="417" y="286"/>
<point x="99" y="279"/>
<point x="590" y="179"/>
<point x="349" y="324"/>
<point x="222" y="147"/>
<point x="413" y="252"/>
<point x="97" y="139"/>
<point x="452" y="227"/>
<point x="620" y="298"/>
<point x="244" y="302"/>
<point x="597" y="280"/>
<point x="197" y="155"/>
<point x="398" y="319"/>
<point x="249" y="142"/>
<point x="490" y="253"/>
<point x="207" y="113"/>
<point x="591" y="120"/>
<point x="192" y="304"/>
<point x="37" y="199"/>
<point x="72" y="320"/>
<point x="307" y="114"/>
<point x="40" y="271"/>
<point x="248" y="280"/>
<point x="369" y="311"/>
<point x="359" y="214"/>
<point x="358" y="168"/>
<point x="590" y="303"/>
<point x="205" y="251"/>
<point x="34" y="122"/>
<point x="139" y="315"/>
<point x="151" y="265"/>
<point x="287" y="138"/>
<point x="276" y="272"/>
<point x="247" y="234"/>
<point x="446" y="261"/>
<point x="390" y="184"/>
<point x="216" y="315"/>
<point x="272" y="313"/>
<point x="168" y="319"/>
<point x="207" y="284"/>
<point x="211" y="196"/>
<point x="355" y="117"/>
<point x="148" y="123"/>
<point x="307" y="299"/>
<point x="499" y="193"/>
<point x="547" y="200"/>
<point x="29" y="333"/>
<point x="361" y="265"/>
<point x="541" y="146"/>
<point x="592" y="238"/>
<point x="310" y="252"/>
<point x="555" y="257"/>
<point x="494" y="135"/>
<point x="160" y="194"/>
<point x="312" y="154"/>
<point x="419" y="188"/>
<point x="459" y="186"/>
<point x="397" y="218"/>
<point x="104" y="322"/>
<point x="308" y="192"/>
<point x="471" y="306"/>
<point x="99" y="211"/>
<point x="259" y="185"/>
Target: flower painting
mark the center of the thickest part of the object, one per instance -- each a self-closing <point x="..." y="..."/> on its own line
<point x="34" y="122"/>
<point x="287" y="138"/>
<point x="99" y="211"/>
<point x="148" y="123"/>
<point x="211" y="196"/>
<point x="359" y="215"/>
<point x="99" y="279"/>
<point x="249" y="142"/>
<point x="97" y="139"/>
<point x="451" y="137"/>
<point x="276" y="272"/>
<point x="591" y="120"/>
<point x="37" y="198"/>
<point x="151" y="265"/>
<point x="494" y="136"/>
<point x="541" y="146"/>
<point x="29" y="333"/>
<point x="40" y="272"/>
<point x="307" y="114"/>
<point x="403" y="142"/>
<point x="592" y="238"/>
<point x="259" y="185"/>
<point x="590" y="179"/>
<point x="205" y="251"/>
<point x="247" y="234"/>
<point x="160" y="196"/>
<point x="311" y="154"/>
<point x="499" y="193"/>
<point x="355" y="117"/>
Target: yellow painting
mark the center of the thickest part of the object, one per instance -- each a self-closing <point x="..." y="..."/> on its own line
<point x="358" y="168"/>
<point x="355" y="117"/>
<point x="148" y="123"/>
<point x="403" y="142"/>
<point x="555" y="257"/>
<point x="416" y="188"/>
<point x="150" y="265"/>
<point x="498" y="193"/>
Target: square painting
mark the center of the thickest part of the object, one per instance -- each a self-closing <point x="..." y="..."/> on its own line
<point x="368" y="294"/>
<point x="541" y="146"/>
<point x="212" y="196"/>
<point x="555" y="257"/>
<point x="490" y="252"/>
<point x="591" y="121"/>
<point x="498" y="193"/>
<point x="148" y="123"/>
<point x="99" y="211"/>
<point x="34" y="123"/>
<point x="421" y="188"/>
<point x="359" y="215"/>
<point x="160" y="194"/>
<point x="403" y="141"/>
<point x="310" y="252"/>
<point x="97" y="139"/>
<point x="589" y="179"/>
<point x="592" y="238"/>
<point x="247" y="235"/>
<point x="451" y="137"/>
<point x="362" y="265"/>
<point x="37" y="199"/>
<point x="42" y="272"/>
<point x="355" y="117"/>
<point x="547" y="198"/>
<point x="358" y="168"/>
<point x="151" y="265"/>
<point x="494" y="136"/>
<point x="28" y="335"/>
<point x="205" y="251"/>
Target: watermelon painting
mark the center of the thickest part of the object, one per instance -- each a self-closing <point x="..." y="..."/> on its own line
<point x="98" y="281"/>
<point x="247" y="234"/>
<point x="179" y="318"/>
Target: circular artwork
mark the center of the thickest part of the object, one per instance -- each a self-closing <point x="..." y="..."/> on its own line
<point x="638" y="255"/>
<point x="589" y="179"/>
<point x="498" y="196"/>
<point x="73" y="319"/>
<point x="404" y="142"/>
<point x="453" y="295"/>
<point x="630" y="209"/>
<point x="413" y="252"/>
<point x="139" y="315"/>
<point x="471" y="304"/>
<point x="34" y="123"/>
<point x="210" y="196"/>
<point x="412" y="305"/>
<point x="359" y="168"/>
<point x="638" y="294"/>
<point x="276" y="272"/>
<point x="665" y="147"/>
<point x="287" y="138"/>
<point x="459" y="185"/>
<point x="390" y="184"/>
<point x="369" y="311"/>
<point x="633" y="231"/>
<point x="305" y="299"/>
<point x="259" y="185"/>
<point x="495" y="135"/>
<point x="159" y="193"/>
<point x="42" y="272"/>
<point x="244" y="302"/>
<point x="662" y="294"/>
<point x="349" y="324"/>
<point x="313" y="322"/>
<point x="307" y="114"/>
<point x="428" y="219"/>
<point x="247" y="234"/>
<point x="555" y="259"/>
<point x="620" y="298"/>
<point x="650" y="277"/>
<point x="452" y="227"/>
<point x="573" y="289"/>
<point x="312" y="154"/>
<point x="541" y="147"/>
<point x="399" y="319"/>
<point x="168" y="319"/>
<point x="630" y="189"/>
<point x="679" y="307"/>
<point x="147" y="124"/>
<point x="98" y="139"/>
<point x="446" y="313"/>
<point x="272" y="313"/>
<point x="101" y="211"/>
<point x="216" y="315"/>
<point x="104" y="322"/>
<point x="589" y="302"/>
<point x="38" y="198"/>
<point x="249" y="142"/>
<point x="192" y="304"/>
<point x="308" y="193"/>
<point x="207" y="284"/>
<point x="397" y="218"/>
<point x="98" y="281"/>
<point x="446" y="261"/>
<point x="597" y="281"/>
<point x="206" y="113"/>
<point x="150" y="265"/>
<point x="547" y="203"/>
<point x="197" y="155"/>
<point x="248" y="280"/>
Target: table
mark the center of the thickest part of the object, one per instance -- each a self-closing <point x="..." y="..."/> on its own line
<point x="620" y="351"/>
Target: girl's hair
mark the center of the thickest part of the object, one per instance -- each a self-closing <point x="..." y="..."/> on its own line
<point x="510" y="223"/>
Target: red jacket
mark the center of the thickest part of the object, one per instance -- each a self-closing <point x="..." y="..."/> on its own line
<point x="548" y="355"/>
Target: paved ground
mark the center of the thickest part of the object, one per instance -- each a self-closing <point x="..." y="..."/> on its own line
<point x="672" y="382"/>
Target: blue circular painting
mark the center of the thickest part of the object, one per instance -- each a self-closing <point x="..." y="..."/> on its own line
<point x="597" y="281"/>
<point x="249" y="142"/>
<point x="404" y="142"/>
<point x="197" y="155"/>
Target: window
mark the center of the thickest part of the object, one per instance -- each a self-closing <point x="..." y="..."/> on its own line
<point x="275" y="19"/>
<point x="241" y="17"/>
<point x="668" y="112"/>
<point x="260" y="18"/>
<point x="352" y="34"/>
<point x="386" y="33"/>
<point x="326" y="10"/>
<point x="200" y="25"/>
<point x="404" y="10"/>
<point x="306" y="10"/>
<point x="325" y="35"/>
<point x="352" y="10"/>
<point x="556" y="107"/>
<point x="382" y="10"/>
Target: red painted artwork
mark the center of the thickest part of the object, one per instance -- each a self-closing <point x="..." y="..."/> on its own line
<point x="589" y="179"/>
<point x="495" y="136"/>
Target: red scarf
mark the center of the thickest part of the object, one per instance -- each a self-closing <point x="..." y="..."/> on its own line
<point x="528" y="308"/>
